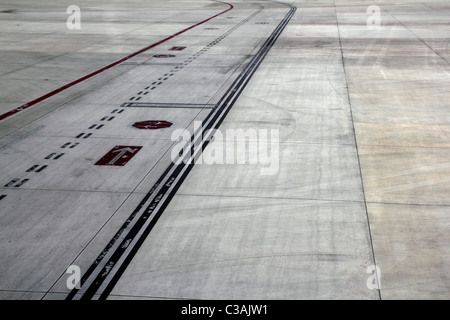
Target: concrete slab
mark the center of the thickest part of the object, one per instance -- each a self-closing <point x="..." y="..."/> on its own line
<point x="47" y="232"/>
<point x="243" y="241"/>
<point x="410" y="242"/>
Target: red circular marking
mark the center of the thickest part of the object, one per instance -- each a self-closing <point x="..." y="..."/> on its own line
<point x="152" y="124"/>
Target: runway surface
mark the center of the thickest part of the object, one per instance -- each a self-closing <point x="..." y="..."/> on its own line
<point x="204" y="149"/>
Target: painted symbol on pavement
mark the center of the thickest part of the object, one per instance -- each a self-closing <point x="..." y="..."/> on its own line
<point x="164" y="56"/>
<point x="118" y="156"/>
<point x="152" y="124"/>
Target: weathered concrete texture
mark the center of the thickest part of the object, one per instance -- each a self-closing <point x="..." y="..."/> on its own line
<point x="398" y="78"/>
<point x="359" y="174"/>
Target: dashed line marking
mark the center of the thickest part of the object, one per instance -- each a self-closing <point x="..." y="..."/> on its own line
<point x="41" y="168"/>
<point x="35" y="168"/>
<point x="177" y="48"/>
<point x="83" y="135"/>
<point x="13" y="183"/>
<point x="3" y="196"/>
<point x="71" y="144"/>
<point x="32" y="168"/>
<point x="21" y="183"/>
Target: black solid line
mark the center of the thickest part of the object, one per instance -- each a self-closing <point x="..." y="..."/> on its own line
<point x="220" y="116"/>
<point x="217" y="117"/>
<point x="3" y="196"/>
<point x="118" y="234"/>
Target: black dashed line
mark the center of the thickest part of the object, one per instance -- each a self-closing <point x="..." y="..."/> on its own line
<point x="32" y="168"/>
<point x="41" y="168"/>
<point x="58" y="156"/>
<point x="50" y="155"/>
<point x="111" y="118"/>
<point x="74" y="145"/>
<point x="114" y="111"/>
<point x="121" y="110"/>
<point x="93" y="126"/>
<point x="3" y="196"/>
<point x="66" y="145"/>
<point x="87" y="136"/>
<point x="100" y="126"/>
<point x="9" y="184"/>
<point x="21" y="183"/>
<point x="79" y="136"/>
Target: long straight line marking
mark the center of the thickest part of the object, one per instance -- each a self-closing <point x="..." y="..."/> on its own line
<point x="166" y="187"/>
<point x="90" y="75"/>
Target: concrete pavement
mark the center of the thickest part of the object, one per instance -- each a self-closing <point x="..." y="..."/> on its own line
<point x="360" y="163"/>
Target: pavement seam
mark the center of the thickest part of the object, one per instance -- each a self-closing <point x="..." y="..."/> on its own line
<point x="356" y="142"/>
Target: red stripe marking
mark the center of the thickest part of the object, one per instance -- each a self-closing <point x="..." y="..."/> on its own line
<point x="71" y="84"/>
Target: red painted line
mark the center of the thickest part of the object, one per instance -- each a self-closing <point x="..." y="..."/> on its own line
<point x="71" y="84"/>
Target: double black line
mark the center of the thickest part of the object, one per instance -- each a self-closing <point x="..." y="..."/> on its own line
<point x="105" y="272"/>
